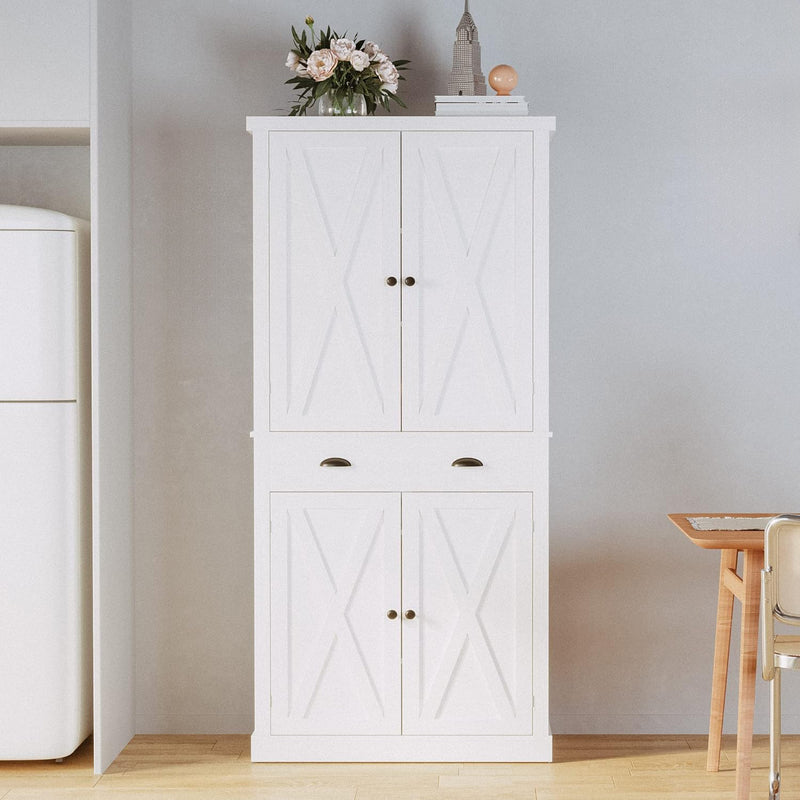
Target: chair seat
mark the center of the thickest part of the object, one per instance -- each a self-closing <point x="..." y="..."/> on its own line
<point x="787" y="652"/>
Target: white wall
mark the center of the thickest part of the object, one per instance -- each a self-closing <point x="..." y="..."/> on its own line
<point x="675" y="244"/>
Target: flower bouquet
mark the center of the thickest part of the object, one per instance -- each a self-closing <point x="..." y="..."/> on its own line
<point x="340" y="71"/>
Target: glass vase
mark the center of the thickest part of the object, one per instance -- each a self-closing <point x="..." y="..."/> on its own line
<point x="331" y="105"/>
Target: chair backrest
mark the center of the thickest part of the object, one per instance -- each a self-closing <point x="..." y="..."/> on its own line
<point x="782" y="557"/>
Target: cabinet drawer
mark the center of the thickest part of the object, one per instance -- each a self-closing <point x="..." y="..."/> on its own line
<point x="404" y="461"/>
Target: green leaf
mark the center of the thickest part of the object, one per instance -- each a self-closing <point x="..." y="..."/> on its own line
<point x="321" y="88"/>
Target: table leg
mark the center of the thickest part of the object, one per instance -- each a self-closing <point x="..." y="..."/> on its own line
<point x="722" y="649"/>
<point x="751" y="578"/>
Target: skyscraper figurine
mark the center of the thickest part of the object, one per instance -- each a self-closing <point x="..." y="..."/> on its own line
<point x="466" y="77"/>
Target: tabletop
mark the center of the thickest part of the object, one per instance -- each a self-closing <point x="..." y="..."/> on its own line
<point x="721" y="539"/>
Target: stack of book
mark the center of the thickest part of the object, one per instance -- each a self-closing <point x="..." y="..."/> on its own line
<point x="448" y="105"/>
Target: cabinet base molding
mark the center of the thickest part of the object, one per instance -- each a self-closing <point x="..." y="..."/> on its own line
<point x="538" y="747"/>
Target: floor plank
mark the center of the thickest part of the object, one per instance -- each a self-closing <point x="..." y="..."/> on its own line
<point x="219" y="768"/>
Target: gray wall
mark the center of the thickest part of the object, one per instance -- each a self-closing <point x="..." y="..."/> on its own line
<point x="675" y="244"/>
<point x="46" y="177"/>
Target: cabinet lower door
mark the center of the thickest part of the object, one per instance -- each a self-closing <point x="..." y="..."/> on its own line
<point x="467" y="659"/>
<point x="335" y="573"/>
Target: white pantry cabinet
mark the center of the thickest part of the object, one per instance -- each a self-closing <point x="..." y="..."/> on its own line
<point x="401" y="438"/>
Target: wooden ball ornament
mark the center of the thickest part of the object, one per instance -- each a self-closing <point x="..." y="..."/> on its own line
<point x="503" y="79"/>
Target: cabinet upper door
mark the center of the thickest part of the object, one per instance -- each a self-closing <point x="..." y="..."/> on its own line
<point x="467" y="319"/>
<point x="467" y="658"/>
<point x="334" y="239"/>
<point x="335" y="573"/>
<point x="38" y="315"/>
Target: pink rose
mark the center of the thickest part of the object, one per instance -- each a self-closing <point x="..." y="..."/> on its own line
<point x="321" y="64"/>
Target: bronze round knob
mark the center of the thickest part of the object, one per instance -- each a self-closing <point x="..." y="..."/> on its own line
<point x="391" y="613"/>
<point x="409" y="281"/>
<point x="391" y="281"/>
<point x="410" y="614"/>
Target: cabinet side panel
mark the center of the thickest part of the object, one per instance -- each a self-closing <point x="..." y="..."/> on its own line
<point x="261" y="446"/>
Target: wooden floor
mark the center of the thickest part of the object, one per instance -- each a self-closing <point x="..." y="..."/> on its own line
<point x="218" y="768"/>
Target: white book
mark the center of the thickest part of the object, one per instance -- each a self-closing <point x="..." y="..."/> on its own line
<point x="477" y="105"/>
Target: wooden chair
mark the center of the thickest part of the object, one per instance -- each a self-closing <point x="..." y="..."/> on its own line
<point x="780" y="599"/>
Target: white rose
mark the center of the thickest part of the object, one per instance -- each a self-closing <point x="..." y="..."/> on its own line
<point x="371" y="49"/>
<point x="389" y="75"/>
<point x="321" y="64"/>
<point x="342" y="48"/>
<point x="359" y="60"/>
<point x="380" y="58"/>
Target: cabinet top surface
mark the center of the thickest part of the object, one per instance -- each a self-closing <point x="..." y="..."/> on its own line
<point x="390" y="123"/>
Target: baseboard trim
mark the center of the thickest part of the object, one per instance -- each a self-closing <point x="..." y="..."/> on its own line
<point x="644" y="724"/>
<point x="194" y="723"/>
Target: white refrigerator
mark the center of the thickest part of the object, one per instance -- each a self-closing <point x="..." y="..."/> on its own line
<point x="45" y="484"/>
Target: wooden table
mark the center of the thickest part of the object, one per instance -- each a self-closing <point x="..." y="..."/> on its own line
<point x="747" y="589"/>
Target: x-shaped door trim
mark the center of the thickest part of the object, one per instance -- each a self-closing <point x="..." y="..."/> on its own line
<point x="343" y="243"/>
<point x="467" y="626"/>
<point x="467" y="254"/>
<point x="335" y="625"/>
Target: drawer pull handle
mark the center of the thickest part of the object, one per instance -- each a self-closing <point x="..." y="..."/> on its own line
<point x="467" y="462"/>
<point x="335" y="462"/>
<point x="410" y="614"/>
<point x="391" y="613"/>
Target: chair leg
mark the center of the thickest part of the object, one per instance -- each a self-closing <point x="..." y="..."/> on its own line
<point x="775" y="736"/>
